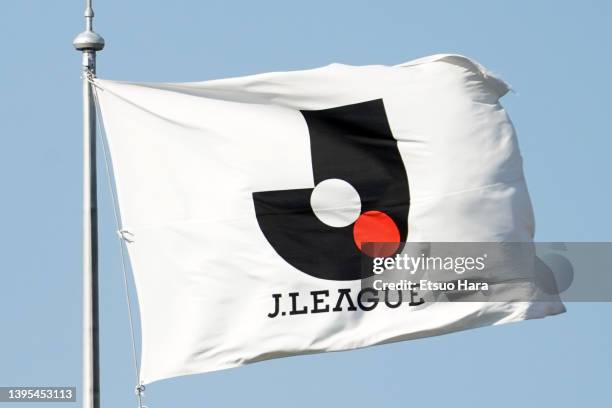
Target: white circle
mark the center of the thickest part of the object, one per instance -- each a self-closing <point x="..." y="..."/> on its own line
<point x="335" y="203"/>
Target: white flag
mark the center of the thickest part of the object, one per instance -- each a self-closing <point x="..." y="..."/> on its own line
<point x="248" y="203"/>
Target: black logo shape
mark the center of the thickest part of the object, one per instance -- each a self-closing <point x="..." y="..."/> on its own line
<point x="353" y="143"/>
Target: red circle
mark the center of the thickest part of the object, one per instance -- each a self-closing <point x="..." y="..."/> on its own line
<point x="380" y="233"/>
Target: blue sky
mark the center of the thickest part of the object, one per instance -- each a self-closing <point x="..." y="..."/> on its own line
<point x="555" y="54"/>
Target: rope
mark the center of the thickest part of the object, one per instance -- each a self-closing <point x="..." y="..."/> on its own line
<point x="124" y="236"/>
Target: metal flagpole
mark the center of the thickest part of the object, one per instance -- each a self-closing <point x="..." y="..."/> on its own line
<point x="88" y="42"/>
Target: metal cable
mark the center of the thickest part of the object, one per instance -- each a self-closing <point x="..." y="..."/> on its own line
<point x="139" y="387"/>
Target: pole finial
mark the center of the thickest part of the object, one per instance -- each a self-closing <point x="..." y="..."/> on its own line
<point x="88" y="40"/>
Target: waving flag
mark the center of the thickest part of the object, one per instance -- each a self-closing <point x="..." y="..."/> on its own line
<point x="249" y="203"/>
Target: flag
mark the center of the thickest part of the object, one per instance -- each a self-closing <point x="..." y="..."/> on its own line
<point x="248" y="204"/>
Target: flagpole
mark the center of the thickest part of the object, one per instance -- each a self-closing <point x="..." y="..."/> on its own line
<point x="88" y="42"/>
